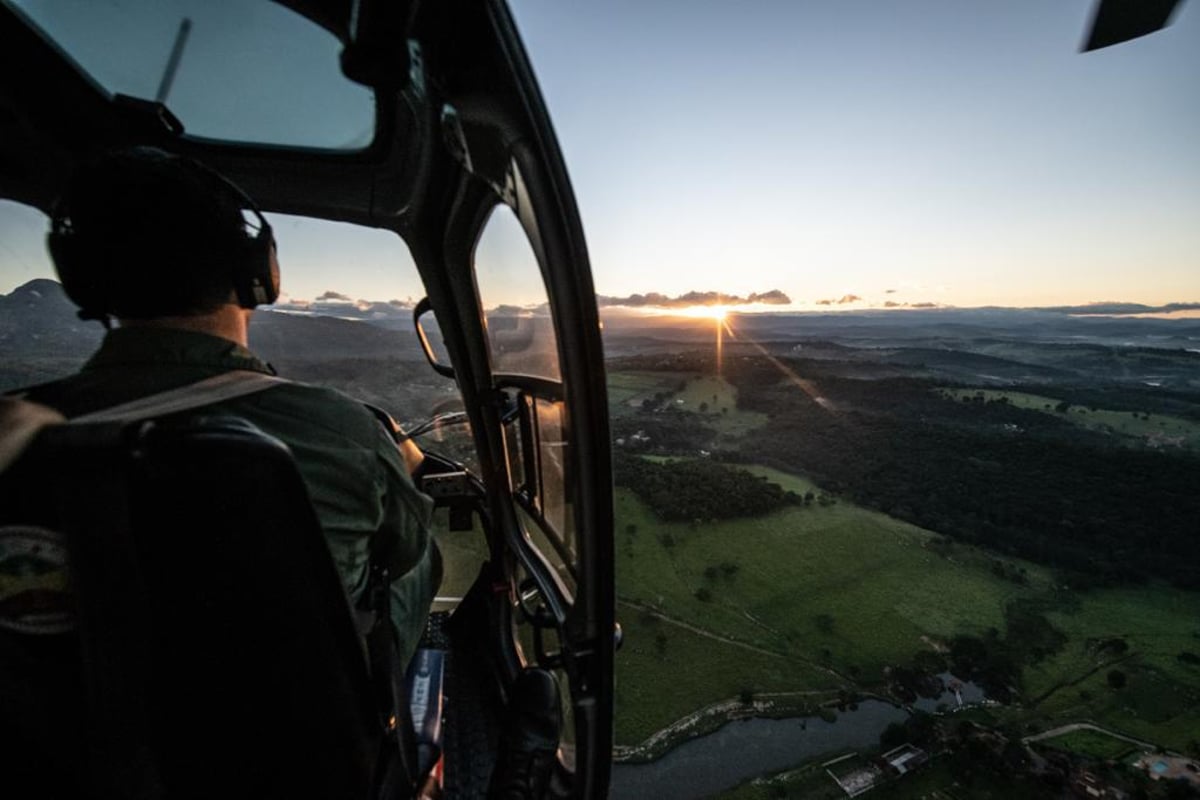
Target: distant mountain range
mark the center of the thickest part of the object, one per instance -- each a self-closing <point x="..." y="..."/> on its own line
<point x="41" y="336"/>
<point x="928" y="326"/>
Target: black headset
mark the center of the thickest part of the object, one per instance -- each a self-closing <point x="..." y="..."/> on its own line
<point x="254" y="271"/>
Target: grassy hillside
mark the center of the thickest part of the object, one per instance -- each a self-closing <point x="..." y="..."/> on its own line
<point x="838" y="593"/>
<point x="1160" y="698"/>
<point x="841" y="590"/>
<point x="712" y="397"/>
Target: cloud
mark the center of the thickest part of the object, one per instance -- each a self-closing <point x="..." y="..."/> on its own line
<point x="774" y="297"/>
<point x="771" y="298"/>
<point x="894" y="304"/>
<point x="1117" y="308"/>
<point x="841" y="301"/>
<point x="337" y="304"/>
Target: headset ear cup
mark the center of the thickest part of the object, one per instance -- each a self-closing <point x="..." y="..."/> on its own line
<point x="273" y="283"/>
<point x="82" y="285"/>
<point x="256" y="279"/>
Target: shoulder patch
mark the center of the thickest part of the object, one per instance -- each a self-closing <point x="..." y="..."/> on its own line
<point x="34" y="597"/>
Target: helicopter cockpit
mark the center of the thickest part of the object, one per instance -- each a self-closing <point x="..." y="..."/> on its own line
<point x="417" y="126"/>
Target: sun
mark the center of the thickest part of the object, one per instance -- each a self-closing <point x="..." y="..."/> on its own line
<point x="716" y="313"/>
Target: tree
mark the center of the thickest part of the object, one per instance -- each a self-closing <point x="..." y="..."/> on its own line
<point x="824" y="623"/>
<point x="893" y="735"/>
<point x="1117" y="679"/>
<point x="704" y="594"/>
<point x="703" y="407"/>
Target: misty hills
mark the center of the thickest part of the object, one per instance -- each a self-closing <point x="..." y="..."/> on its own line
<point x="41" y="338"/>
<point x="929" y="325"/>
<point x="998" y="346"/>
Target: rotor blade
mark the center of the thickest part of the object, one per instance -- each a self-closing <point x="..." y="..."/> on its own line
<point x="1117" y="21"/>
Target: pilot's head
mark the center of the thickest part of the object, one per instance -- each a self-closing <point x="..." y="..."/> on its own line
<point x="141" y="233"/>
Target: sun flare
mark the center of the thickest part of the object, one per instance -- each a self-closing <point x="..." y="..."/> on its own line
<point x="717" y="313"/>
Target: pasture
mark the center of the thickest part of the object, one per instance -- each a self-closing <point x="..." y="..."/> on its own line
<point x="714" y="398"/>
<point x="841" y="589"/>
<point x="1091" y="744"/>
<point x="838" y="593"/>
<point x="1160" y="698"/>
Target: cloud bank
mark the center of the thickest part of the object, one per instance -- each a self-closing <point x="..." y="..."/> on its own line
<point x="1118" y="308"/>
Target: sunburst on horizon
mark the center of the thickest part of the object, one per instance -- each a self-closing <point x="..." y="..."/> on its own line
<point x="713" y="312"/>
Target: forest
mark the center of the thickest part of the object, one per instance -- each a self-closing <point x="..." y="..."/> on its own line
<point x="700" y="490"/>
<point x="1018" y="481"/>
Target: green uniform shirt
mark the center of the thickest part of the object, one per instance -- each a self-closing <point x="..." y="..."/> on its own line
<point x="353" y="471"/>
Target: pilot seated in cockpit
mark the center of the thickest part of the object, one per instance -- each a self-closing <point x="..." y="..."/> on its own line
<point x="161" y="244"/>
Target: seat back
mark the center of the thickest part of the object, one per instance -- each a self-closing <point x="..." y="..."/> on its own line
<point x="212" y="650"/>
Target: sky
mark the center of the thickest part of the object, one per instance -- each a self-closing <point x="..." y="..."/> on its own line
<point x="960" y="153"/>
<point x="931" y="151"/>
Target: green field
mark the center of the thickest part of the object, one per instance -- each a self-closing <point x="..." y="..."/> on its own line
<point x="1159" y="430"/>
<point x="951" y="777"/>
<point x="658" y="653"/>
<point x="627" y="390"/>
<point x="716" y="398"/>
<point x="1161" y="699"/>
<point x="885" y="595"/>
<point x="1091" y="744"/>
<point x="708" y="395"/>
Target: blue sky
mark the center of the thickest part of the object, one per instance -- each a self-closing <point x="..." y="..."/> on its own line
<point x="926" y="151"/>
<point x="955" y="152"/>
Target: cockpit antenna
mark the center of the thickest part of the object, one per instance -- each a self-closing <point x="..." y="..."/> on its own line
<point x="168" y="78"/>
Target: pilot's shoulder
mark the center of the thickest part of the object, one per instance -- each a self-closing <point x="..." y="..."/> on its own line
<point x="324" y="407"/>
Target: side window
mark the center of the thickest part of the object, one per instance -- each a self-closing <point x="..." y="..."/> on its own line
<point x="41" y="339"/>
<point x="524" y="354"/>
<point x="515" y="304"/>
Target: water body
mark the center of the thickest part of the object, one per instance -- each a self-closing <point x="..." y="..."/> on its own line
<point x="745" y="749"/>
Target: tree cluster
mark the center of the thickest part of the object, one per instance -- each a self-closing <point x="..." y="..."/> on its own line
<point x="699" y="489"/>
<point x="1018" y="481"/>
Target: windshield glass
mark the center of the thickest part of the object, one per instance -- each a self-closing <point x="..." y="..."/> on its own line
<point x="244" y="72"/>
<point x="343" y="320"/>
